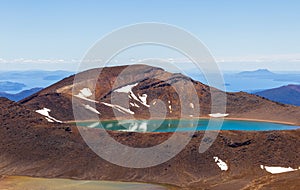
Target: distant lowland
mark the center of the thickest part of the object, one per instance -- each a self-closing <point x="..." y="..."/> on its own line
<point x="39" y="137"/>
<point x="17" y="85"/>
<point x="17" y="81"/>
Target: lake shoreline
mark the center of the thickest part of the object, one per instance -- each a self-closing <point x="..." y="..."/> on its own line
<point x="192" y="118"/>
<point x="20" y="182"/>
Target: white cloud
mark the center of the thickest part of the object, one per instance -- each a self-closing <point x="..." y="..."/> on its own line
<point x="273" y="62"/>
<point x="38" y="64"/>
<point x="23" y="60"/>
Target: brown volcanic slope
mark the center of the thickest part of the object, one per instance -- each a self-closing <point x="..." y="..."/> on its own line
<point x="156" y="84"/>
<point x="12" y="112"/>
<point x="29" y="146"/>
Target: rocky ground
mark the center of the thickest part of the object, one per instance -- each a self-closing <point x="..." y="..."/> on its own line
<point x="41" y="149"/>
<point x="32" y="146"/>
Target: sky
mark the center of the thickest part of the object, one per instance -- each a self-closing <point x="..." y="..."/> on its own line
<point x="241" y="35"/>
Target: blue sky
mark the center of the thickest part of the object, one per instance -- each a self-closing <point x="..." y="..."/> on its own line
<point x="240" y="34"/>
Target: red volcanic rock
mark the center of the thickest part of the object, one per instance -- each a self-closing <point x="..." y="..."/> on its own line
<point x="151" y="83"/>
<point x="31" y="146"/>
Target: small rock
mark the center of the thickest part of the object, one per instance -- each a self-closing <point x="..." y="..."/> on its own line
<point x="238" y="144"/>
<point x="68" y="129"/>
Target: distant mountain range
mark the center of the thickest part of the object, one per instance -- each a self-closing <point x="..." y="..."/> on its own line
<point x="252" y="81"/>
<point x="21" y="95"/>
<point x="266" y="74"/>
<point x="247" y="81"/>
<point x="289" y="94"/>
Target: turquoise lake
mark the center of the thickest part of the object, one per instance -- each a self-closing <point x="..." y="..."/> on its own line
<point x="184" y="125"/>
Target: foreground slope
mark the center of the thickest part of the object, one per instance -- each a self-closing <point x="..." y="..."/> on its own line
<point x="33" y="147"/>
<point x="12" y="113"/>
<point x="142" y="86"/>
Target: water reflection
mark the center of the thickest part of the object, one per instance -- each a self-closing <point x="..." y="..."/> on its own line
<point x="183" y="125"/>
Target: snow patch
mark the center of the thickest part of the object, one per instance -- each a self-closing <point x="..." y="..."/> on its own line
<point x="45" y="112"/>
<point x="84" y="94"/>
<point x="170" y="108"/>
<point x="222" y="165"/>
<point x="87" y="99"/>
<point x="119" y="108"/>
<point x="49" y="120"/>
<point x="126" y="89"/>
<point x="192" y="105"/>
<point x="134" y="104"/>
<point x="218" y="114"/>
<point x="277" y="169"/>
<point x="143" y="99"/>
<point x="132" y="95"/>
<point x="88" y="107"/>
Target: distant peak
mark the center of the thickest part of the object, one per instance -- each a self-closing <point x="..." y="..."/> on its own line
<point x="262" y="70"/>
<point x="257" y="72"/>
